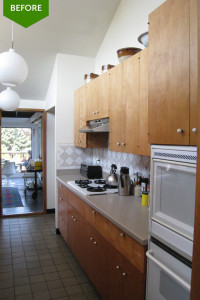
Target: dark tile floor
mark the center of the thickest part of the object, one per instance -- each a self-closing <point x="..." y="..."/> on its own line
<point x="35" y="263"/>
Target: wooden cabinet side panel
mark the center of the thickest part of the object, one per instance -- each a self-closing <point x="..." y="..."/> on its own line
<point x="130" y="101"/>
<point x="117" y="115"/>
<point x="144" y="146"/>
<point x="76" y="118"/>
<point x="82" y="115"/>
<point x="169" y="73"/>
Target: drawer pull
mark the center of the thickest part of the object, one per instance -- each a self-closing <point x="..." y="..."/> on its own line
<point x="60" y="185"/>
<point x="61" y="199"/>
<point x="118" y="144"/>
<point x="72" y="217"/>
<point x="61" y="219"/>
<point x="75" y="219"/>
<point x="93" y="212"/>
<point x="95" y="243"/>
<point x="91" y="238"/>
<point x="124" y="274"/>
<point x="123" y="144"/>
<point x="122" y="234"/>
<point x="117" y="267"/>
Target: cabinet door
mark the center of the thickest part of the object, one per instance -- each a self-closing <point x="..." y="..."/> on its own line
<point x="91" y="113"/>
<point x="102" y="96"/>
<point x="130" y="99"/>
<point x="62" y="210"/>
<point x="169" y="73"/>
<point x="77" y="118"/>
<point x="117" y="114"/>
<point x="144" y="146"/>
<point x="194" y="67"/>
<point x="114" y="274"/>
<point x="82" y="115"/>
<point x="96" y="266"/>
<point x="76" y="234"/>
<point x="133" y="282"/>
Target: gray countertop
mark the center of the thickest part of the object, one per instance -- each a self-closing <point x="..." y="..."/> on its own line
<point x="126" y="212"/>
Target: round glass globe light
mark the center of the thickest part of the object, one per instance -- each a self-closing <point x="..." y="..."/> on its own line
<point x="9" y="100"/>
<point x="13" y="68"/>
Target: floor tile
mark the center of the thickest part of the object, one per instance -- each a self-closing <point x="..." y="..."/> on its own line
<point x="37" y="278"/>
<point x="22" y="290"/>
<point x="44" y="295"/>
<point x="58" y="293"/>
<point x="54" y="284"/>
<point x="38" y="287"/>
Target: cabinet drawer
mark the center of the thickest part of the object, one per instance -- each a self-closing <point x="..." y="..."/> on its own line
<point x="127" y="246"/>
<point x="76" y="202"/>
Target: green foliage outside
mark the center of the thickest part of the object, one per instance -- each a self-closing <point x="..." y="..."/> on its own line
<point x="15" y="140"/>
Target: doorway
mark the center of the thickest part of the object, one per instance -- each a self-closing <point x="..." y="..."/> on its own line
<point x="23" y="162"/>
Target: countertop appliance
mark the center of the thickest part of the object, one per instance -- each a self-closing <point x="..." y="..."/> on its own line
<point x="171" y="221"/>
<point x="91" y="171"/>
<point x="124" y="183"/>
<point x="112" y="178"/>
<point x="92" y="187"/>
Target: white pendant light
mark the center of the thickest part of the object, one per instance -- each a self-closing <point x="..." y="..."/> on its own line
<point x="13" y="67"/>
<point x="9" y="100"/>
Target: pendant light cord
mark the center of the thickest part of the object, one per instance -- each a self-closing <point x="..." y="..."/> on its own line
<point x="12" y="35"/>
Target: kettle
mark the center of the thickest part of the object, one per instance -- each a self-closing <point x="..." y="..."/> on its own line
<point x="124" y="183"/>
<point x="112" y="179"/>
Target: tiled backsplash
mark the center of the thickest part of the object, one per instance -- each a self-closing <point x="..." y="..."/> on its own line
<point x="135" y="163"/>
<point x="70" y="157"/>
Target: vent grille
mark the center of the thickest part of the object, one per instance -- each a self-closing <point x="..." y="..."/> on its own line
<point x="176" y="156"/>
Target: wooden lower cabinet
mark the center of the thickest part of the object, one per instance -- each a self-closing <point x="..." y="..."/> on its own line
<point x="111" y="268"/>
<point x="124" y="280"/>
<point x="96" y="267"/>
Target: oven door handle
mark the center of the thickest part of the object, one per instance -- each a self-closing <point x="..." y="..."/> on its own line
<point x="176" y="277"/>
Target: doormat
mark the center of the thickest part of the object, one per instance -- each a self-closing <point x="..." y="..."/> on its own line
<point x="11" y="197"/>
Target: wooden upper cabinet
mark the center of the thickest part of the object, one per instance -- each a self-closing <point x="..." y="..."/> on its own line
<point x="144" y="146"/>
<point x="98" y="98"/>
<point x="117" y="115"/>
<point x="80" y="117"/>
<point x="130" y="102"/>
<point x="172" y="86"/>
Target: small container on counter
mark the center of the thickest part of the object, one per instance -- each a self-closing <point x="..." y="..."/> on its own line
<point x="145" y="199"/>
<point x="137" y="191"/>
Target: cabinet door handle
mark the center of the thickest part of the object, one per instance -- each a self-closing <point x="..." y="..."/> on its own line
<point x="117" y="267"/>
<point x="60" y="185"/>
<point x="123" y="144"/>
<point x="74" y="219"/>
<point x="91" y="238"/>
<point x="61" y="219"/>
<point x="61" y="199"/>
<point x="97" y="112"/>
<point x="94" y="242"/>
<point x="93" y="212"/>
<point x="179" y="130"/>
<point x="168" y="271"/>
<point x="194" y="130"/>
<point x="124" y="274"/>
<point x="122" y="234"/>
<point x="118" y="144"/>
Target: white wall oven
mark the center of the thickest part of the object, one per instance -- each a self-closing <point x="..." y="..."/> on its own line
<point x="171" y="221"/>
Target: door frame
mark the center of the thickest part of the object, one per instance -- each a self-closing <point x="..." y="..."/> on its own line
<point x="44" y="127"/>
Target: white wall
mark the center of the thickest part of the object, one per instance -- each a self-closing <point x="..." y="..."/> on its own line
<point x="32" y="104"/>
<point x="51" y="96"/>
<point x="128" y="23"/>
<point x="70" y="76"/>
<point x="51" y="161"/>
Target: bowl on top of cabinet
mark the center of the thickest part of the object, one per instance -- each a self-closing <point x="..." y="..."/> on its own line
<point x="125" y="53"/>
<point x="89" y="77"/>
<point x="105" y="68"/>
<point x="144" y="39"/>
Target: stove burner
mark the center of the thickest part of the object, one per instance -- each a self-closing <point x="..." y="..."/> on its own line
<point x="97" y="189"/>
<point x="84" y="181"/>
<point x="100" y="181"/>
<point x="110" y="187"/>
